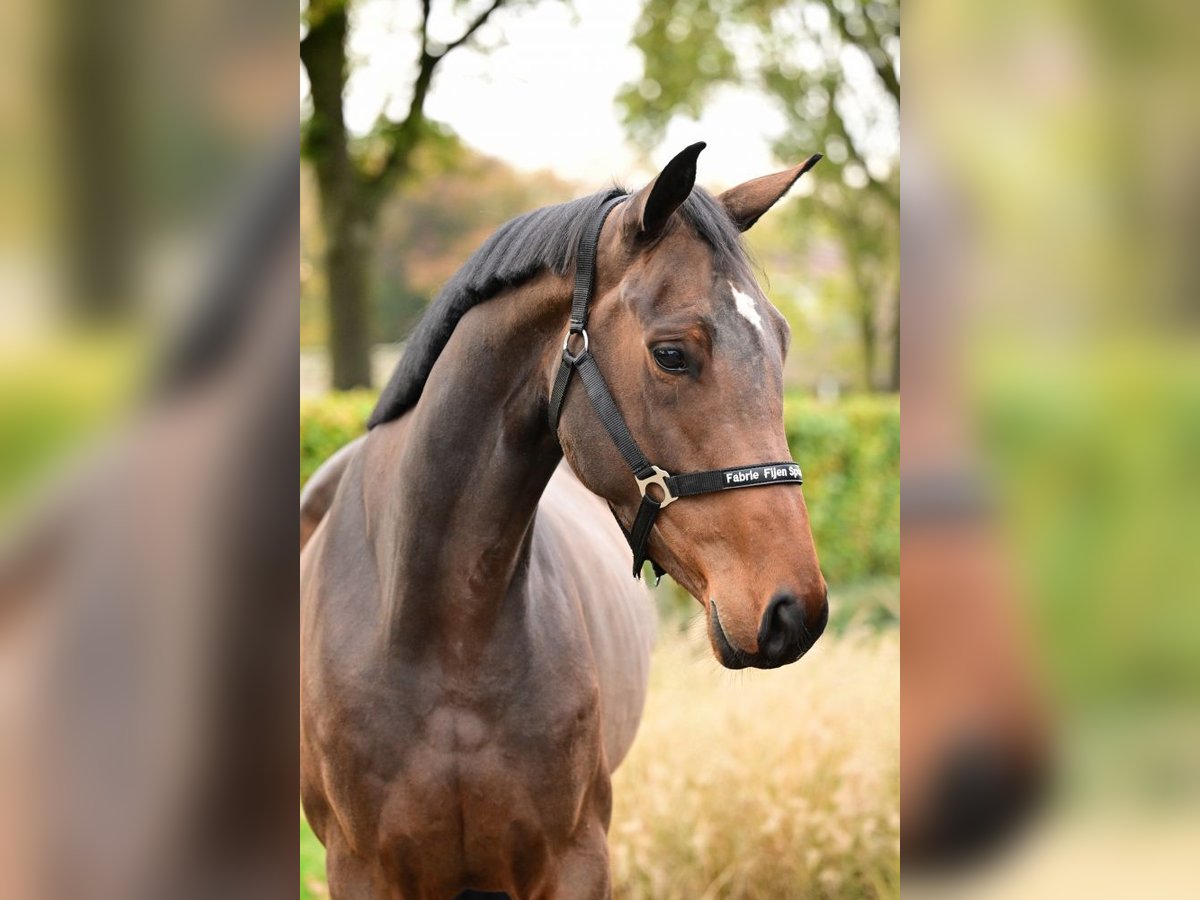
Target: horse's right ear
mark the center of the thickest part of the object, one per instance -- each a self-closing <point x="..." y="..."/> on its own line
<point x="652" y="207"/>
<point x="746" y="202"/>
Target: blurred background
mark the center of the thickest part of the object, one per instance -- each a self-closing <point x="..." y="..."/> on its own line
<point x="1052" y="397"/>
<point x="148" y="275"/>
<point x="133" y="138"/>
<point x="787" y="783"/>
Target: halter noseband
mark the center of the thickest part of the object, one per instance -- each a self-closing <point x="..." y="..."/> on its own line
<point x="672" y="486"/>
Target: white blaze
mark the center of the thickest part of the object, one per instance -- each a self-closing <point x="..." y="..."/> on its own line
<point x="747" y="306"/>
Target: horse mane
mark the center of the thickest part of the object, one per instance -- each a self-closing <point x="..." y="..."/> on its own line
<point x="546" y="239"/>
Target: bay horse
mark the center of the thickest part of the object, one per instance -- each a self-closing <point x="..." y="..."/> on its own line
<point x="474" y="654"/>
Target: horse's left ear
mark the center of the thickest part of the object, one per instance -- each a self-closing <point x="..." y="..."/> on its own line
<point x="652" y="206"/>
<point x="749" y="200"/>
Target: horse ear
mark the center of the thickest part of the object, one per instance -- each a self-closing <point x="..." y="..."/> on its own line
<point x="749" y="200"/>
<point x="652" y="206"/>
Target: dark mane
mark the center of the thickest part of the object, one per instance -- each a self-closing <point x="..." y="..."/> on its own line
<point x="544" y="239"/>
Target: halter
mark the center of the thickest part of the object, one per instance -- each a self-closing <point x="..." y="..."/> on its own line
<point x="673" y="487"/>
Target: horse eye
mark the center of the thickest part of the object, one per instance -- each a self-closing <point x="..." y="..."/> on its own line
<point x="670" y="359"/>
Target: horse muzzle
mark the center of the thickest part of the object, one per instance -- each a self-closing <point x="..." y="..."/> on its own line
<point x="789" y="627"/>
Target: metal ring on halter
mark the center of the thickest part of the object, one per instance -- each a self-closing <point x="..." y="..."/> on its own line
<point x="574" y="357"/>
<point x="660" y="478"/>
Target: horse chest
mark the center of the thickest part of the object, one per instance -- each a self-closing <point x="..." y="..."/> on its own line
<point x="497" y="778"/>
<point x="501" y="741"/>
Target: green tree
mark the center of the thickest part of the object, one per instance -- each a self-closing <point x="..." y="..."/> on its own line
<point x="356" y="175"/>
<point x="831" y="68"/>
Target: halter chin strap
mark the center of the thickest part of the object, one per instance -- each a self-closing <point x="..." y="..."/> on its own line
<point x="671" y="487"/>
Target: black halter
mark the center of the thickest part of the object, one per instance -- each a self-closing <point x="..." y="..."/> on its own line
<point x="672" y="486"/>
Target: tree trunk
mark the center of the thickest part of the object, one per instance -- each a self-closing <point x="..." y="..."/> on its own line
<point x="351" y="196"/>
<point x="346" y="264"/>
<point x="347" y="219"/>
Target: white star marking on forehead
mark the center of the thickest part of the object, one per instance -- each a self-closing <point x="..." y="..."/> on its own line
<point x="747" y="306"/>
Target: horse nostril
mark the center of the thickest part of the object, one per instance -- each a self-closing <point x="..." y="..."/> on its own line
<point x="782" y="637"/>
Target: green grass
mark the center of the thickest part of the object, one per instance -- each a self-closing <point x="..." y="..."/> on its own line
<point x="312" y="864"/>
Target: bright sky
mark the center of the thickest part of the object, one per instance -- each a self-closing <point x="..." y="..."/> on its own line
<point x="544" y="97"/>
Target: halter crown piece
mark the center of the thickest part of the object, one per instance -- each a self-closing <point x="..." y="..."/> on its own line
<point x="672" y="486"/>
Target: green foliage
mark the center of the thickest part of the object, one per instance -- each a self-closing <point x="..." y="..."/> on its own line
<point x="829" y="67"/>
<point x="328" y="423"/>
<point x="684" y="60"/>
<point x="849" y="452"/>
<point x="850" y="455"/>
<point x="1095" y="463"/>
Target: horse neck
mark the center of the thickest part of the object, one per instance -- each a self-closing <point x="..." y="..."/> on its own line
<point x="457" y="493"/>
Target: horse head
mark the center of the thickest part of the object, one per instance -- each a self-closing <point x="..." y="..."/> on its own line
<point x="692" y="352"/>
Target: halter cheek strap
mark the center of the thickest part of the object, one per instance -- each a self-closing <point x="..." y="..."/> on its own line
<point x="671" y="487"/>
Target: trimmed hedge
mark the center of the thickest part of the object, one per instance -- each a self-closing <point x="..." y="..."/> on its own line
<point x="849" y="451"/>
<point x="329" y="422"/>
<point x="850" y="455"/>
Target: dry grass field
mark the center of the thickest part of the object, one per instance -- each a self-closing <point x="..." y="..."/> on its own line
<point x="764" y="784"/>
<point x="781" y="784"/>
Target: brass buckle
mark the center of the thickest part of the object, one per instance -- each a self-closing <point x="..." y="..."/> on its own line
<point x="660" y="478"/>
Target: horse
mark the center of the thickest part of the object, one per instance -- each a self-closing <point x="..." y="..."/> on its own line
<point x="474" y="653"/>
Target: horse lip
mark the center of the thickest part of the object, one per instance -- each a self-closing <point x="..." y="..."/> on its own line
<point x="732" y="658"/>
<point x="728" y="655"/>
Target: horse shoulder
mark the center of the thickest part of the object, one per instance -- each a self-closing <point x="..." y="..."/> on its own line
<point x="338" y="607"/>
<point x="317" y="496"/>
<point x="617" y="611"/>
